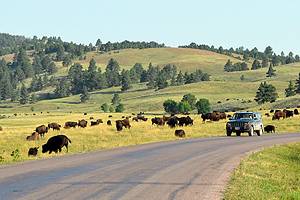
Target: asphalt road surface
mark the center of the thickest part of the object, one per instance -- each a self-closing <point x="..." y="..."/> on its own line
<point x="185" y="169"/>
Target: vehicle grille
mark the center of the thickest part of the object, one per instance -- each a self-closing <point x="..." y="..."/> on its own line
<point x="237" y="124"/>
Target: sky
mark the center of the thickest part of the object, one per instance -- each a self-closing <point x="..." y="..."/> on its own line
<point x="227" y="23"/>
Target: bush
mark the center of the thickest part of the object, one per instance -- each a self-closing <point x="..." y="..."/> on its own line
<point x="105" y="107"/>
<point x="203" y="106"/>
<point x="120" y="108"/>
<point x="170" y="106"/>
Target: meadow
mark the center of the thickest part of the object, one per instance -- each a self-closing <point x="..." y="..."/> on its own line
<point x="270" y="174"/>
<point x="16" y="128"/>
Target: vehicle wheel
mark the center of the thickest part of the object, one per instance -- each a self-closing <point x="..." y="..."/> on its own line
<point x="228" y="133"/>
<point x="238" y="133"/>
<point x="260" y="132"/>
<point x="251" y="131"/>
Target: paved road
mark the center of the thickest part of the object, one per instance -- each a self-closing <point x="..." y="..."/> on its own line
<point x="186" y="169"/>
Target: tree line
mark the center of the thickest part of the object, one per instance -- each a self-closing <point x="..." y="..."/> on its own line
<point x="267" y="55"/>
<point x="79" y="80"/>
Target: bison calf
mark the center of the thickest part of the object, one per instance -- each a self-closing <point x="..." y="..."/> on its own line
<point x="33" y="151"/>
<point x="270" y="129"/>
<point x="56" y="143"/>
<point x="180" y="133"/>
<point x="33" y="136"/>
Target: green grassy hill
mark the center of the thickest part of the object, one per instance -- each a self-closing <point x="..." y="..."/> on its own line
<point x="223" y="86"/>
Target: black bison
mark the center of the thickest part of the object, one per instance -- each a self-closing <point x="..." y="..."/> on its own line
<point x="54" y="126"/>
<point x="185" y="121"/>
<point x="296" y="112"/>
<point x="288" y="113"/>
<point x="71" y="124"/>
<point x="119" y="125"/>
<point x="158" y="121"/>
<point x="180" y="133"/>
<point x="108" y="123"/>
<point x="82" y="123"/>
<point x="91" y="118"/>
<point x="267" y="114"/>
<point x="269" y="129"/>
<point x="1" y="129"/>
<point x="56" y="143"/>
<point x="172" y="122"/>
<point x="97" y="122"/>
<point x="110" y="116"/>
<point x="42" y="130"/>
<point x="33" y="136"/>
<point x="271" y="111"/>
<point x="84" y="113"/>
<point x="33" y="151"/>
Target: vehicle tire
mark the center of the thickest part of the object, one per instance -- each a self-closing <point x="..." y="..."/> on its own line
<point x="251" y="131"/>
<point x="238" y="133"/>
<point x="228" y="133"/>
<point x="260" y="132"/>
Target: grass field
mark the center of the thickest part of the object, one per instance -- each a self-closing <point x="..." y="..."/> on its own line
<point x="16" y="128"/>
<point x="270" y="174"/>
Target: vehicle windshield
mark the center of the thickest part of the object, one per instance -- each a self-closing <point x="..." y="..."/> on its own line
<point x="243" y="116"/>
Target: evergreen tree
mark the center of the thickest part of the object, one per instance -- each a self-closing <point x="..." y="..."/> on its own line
<point x="62" y="88"/>
<point x="85" y="96"/>
<point x="24" y="96"/>
<point x="136" y="72"/>
<point x="112" y="73"/>
<point x="67" y="61"/>
<point x="256" y="65"/>
<point x="291" y="90"/>
<point x="298" y="85"/>
<point x="76" y="77"/>
<point x="180" y="78"/>
<point x="161" y="81"/>
<point x="22" y="62"/>
<point x="116" y="99"/>
<point x="125" y="80"/>
<point x="266" y="93"/>
<point x="105" y="107"/>
<point x="120" y="108"/>
<point x="271" y="71"/>
<point x="33" y="98"/>
<point x="265" y="62"/>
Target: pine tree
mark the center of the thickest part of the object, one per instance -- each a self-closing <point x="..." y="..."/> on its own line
<point x="290" y="91"/>
<point x="33" y="99"/>
<point x="271" y="71"/>
<point x="266" y="93"/>
<point x="24" y="96"/>
<point x="85" y="96"/>
<point x="120" y="108"/>
<point x="125" y="80"/>
<point x="298" y="85"/>
<point x="112" y="73"/>
<point x="116" y="99"/>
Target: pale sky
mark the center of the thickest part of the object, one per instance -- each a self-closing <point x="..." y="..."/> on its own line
<point x="227" y="23"/>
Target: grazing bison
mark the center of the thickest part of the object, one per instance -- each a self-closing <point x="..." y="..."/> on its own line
<point x="33" y="151"/>
<point x="269" y="129"/>
<point x="158" y="121"/>
<point x="172" y="122"/>
<point x="42" y="130"/>
<point x="288" y="113"/>
<point x="180" y="133"/>
<point x="82" y="123"/>
<point x="71" y="124"/>
<point x="97" y="122"/>
<point x="56" y="143"/>
<point x="279" y="114"/>
<point x="122" y="123"/>
<point x="110" y="116"/>
<point x="271" y="111"/>
<point x="33" y="136"/>
<point x="108" y="123"/>
<point x="296" y="112"/>
<point x="185" y="121"/>
<point x="84" y="113"/>
<point x="267" y="114"/>
<point x="54" y="126"/>
<point x="135" y="119"/>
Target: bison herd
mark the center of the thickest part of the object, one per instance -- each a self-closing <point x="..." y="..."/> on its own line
<point x="56" y="143"/>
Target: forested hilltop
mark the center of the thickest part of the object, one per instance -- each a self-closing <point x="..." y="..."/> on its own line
<point x="34" y="69"/>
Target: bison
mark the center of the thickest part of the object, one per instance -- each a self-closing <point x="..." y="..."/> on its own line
<point x="158" y="121"/>
<point x="54" y="126"/>
<point x="185" y="121"/>
<point x="279" y="114"/>
<point x="296" y="112"/>
<point x="288" y="113"/>
<point x="108" y="123"/>
<point x="33" y="136"/>
<point x="122" y="123"/>
<point x="1" y="129"/>
<point x="172" y="122"/>
<point x="180" y="133"/>
<point x="33" y="151"/>
<point x="71" y="124"/>
<point x="42" y="130"/>
<point x="82" y="123"/>
<point x="269" y="129"/>
<point x="56" y="143"/>
<point x="119" y="125"/>
<point x="97" y="122"/>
